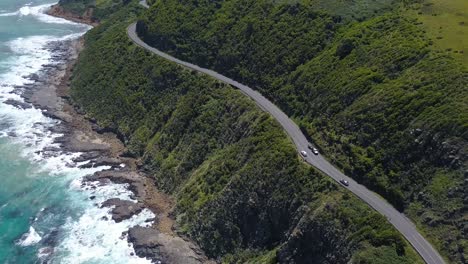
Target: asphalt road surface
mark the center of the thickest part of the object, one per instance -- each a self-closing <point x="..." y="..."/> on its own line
<point x="397" y="219"/>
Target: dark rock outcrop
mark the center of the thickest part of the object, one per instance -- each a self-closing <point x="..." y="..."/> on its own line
<point x="161" y="248"/>
<point x="103" y="161"/>
<point x="123" y="210"/>
<point x="18" y="104"/>
<point x="136" y="183"/>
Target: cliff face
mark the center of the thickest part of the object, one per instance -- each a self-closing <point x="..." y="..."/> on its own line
<point x="87" y="11"/>
<point x="363" y="80"/>
<point x="241" y="191"/>
<point x="86" y="17"/>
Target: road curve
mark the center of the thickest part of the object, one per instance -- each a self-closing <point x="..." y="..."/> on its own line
<point x="397" y="219"/>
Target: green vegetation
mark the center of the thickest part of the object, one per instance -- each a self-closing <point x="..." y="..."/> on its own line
<point x="96" y="9"/>
<point x="350" y="10"/>
<point x="371" y="87"/>
<point x="446" y="22"/>
<point x="77" y="7"/>
<point x="242" y="193"/>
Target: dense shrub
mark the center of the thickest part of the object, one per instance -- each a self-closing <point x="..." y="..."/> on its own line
<point x="241" y="191"/>
<point x="367" y="88"/>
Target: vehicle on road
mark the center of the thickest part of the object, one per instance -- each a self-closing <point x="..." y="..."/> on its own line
<point x="344" y="182"/>
<point x="314" y="150"/>
<point x="404" y="226"/>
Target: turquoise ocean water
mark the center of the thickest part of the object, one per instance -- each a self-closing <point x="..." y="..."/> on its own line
<point x="46" y="216"/>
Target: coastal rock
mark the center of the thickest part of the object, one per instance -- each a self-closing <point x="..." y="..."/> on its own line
<point x="18" y="104"/>
<point x="33" y="77"/>
<point x="58" y="129"/>
<point x="161" y="248"/>
<point x="45" y="253"/>
<point x="51" y="66"/>
<point x="102" y="130"/>
<point x="62" y="116"/>
<point x="103" y="161"/>
<point x="122" y="210"/>
<point x="87" y="17"/>
<point x="51" y="239"/>
<point x="132" y="178"/>
<point x="87" y="156"/>
<point x="83" y="142"/>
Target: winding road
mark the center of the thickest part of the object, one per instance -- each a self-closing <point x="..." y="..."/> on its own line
<point x="397" y="219"/>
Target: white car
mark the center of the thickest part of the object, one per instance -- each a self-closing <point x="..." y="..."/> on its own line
<point x="315" y="151"/>
<point x="303" y="153"/>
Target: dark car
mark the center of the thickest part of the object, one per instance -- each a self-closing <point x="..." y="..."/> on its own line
<point x="344" y="182"/>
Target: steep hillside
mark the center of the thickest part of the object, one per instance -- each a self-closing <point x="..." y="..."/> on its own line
<point x="370" y="87"/>
<point x="91" y="10"/>
<point x="241" y="191"/>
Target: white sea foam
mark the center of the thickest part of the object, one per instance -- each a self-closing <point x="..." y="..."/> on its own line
<point x="30" y="126"/>
<point x="92" y="238"/>
<point x="29" y="238"/>
<point x="8" y="14"/>
<point x="104" y="192"/>
<point x="30" y="55"/>
<point x="95" y="237"/>
<point x="89" y="237"/>
<point x="38" y="12"/>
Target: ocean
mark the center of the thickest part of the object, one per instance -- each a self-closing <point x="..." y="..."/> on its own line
<point x="46" y="215"/>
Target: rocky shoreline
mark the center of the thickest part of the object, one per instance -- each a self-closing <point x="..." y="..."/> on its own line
<point x="49" y="92"/>
<point x="86" y="18"/>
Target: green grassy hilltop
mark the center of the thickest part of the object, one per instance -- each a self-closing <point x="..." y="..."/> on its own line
<point x="446" y="22"/>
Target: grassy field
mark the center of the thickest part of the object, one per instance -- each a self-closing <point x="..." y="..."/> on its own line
<point x="446" y="22"/>
<point x="350" y="10"/>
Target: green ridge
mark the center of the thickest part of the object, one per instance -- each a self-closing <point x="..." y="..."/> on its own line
<point x="241" y="191"/>
<point x="376" y="89"/>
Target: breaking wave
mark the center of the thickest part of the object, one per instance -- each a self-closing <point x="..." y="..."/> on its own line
<point x="90" y="234"/>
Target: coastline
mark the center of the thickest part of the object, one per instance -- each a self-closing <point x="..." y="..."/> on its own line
<point x="87" y="18"/>
<point x="50" y="92"/>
